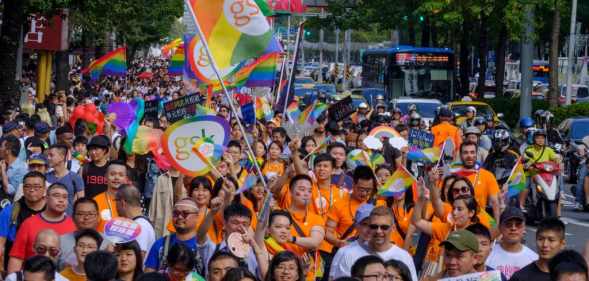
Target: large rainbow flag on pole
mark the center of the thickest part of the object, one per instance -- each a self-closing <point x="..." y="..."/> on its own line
<point x="235" y="31"/>
<point x="113" y="64"/>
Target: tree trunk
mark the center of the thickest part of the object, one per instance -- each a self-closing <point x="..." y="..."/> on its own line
<point x="62" y="68"/>
<point x="464" y="63"/>
<point x="12" y="19"/>
<point x="483" y="49"/>
<point x="425" y="32"/>
<point x="434" y="34"/>
<point x="411" y="30"/>
<point x="500" y="61"/>
<point x="553" y="92"/>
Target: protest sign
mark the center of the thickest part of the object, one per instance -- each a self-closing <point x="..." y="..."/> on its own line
<point x="181" y="108"/>
<point x="151" y="109"/>
<point x="420" y="138"/>
<point x="341" y="109"/>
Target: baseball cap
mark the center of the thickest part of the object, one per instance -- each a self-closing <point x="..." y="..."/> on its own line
<point x="463" y="240"/>
<point x="512" y="213"/>
<point x="101" y="141"/>
<point x="37" y="159"/>
<point x="445" y="112"/>
<point x="363" y="212"/>
<point x="42" y="128"/>
<point x="9" y="127"/>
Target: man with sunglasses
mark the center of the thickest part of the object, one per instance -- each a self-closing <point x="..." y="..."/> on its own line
<point x="379" y="230"/>
<point x="53" y="217"/>
<point x="184" y="218"/>
<point x="46" y="245"/>
<point x="511" y="255"/>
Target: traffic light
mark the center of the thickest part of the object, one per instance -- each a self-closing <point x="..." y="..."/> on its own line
<point x="421" y="18"/>
<point x="307" y="33"/>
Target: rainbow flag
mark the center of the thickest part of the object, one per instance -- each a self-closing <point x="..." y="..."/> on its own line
<point x="81" y="158"/>
<point x="293" y="111"/>
<point x="430" y="154"/>
<point x="233" y="36"/>
<point x="113" y="64"/>
<point x="203" y="110"/>
<point x="170" y="46"/>
<point x="207" y="151"/>
<point x="517" y="180"/>
<point x="250" y="181"/>
<point x="319" y="109"/>
<point x="263" y="109"/>
<point x="264" y="74"/>
<point x="266" y="9"/>
<point x="397" y="183"/>
<point x="176" y="66"/>
<point x="303" y="118"/>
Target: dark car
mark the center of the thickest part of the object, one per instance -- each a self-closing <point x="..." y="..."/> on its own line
<point x="573" y="130"/>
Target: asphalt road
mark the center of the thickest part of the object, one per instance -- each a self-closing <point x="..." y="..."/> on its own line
<point x="577" y="225"/>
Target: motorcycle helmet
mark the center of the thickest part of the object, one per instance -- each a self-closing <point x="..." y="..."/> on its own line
<point x="478" y="121"/>
<point x="397" y="110"/>
<point x="540" y="132"/>
<point x="472" y="130"/>
<point x="501" y="140"/>
<point x="412" y="107"/>
<point x="363" y="105"/>
<point x="471" y="109"/>
<point x="526" y="122"/>
<point x="414" y="119"/>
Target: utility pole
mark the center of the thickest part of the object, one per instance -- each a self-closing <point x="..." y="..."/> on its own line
<point x="321" y="39"/>
<point x="571" y="54"/>
<point x="525" y="105"/>
<point x="337" y="46"/>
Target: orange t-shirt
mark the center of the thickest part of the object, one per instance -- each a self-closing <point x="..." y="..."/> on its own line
<point x="402" y="218"/>
<point x="107" y="209"/>
<point x="276" y="167"/>
<point x="305" y="222"/>
<point x="343" y="212"/>
<point x="485" y="186"/>
<point x="444" y="131"/>
<point x="331" y="195"/>
<point x="484" y="217"/>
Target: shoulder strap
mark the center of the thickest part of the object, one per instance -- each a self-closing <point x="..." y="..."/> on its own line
<point x="348" y="231"/>
<point x="164" y="253"/>
<point x="19" y="276"/>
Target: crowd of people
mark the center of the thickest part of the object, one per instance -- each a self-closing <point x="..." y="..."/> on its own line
<point x="308" y="217"/>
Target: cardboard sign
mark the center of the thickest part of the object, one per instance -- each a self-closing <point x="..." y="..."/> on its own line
<point x="151" y="109"/>
<point x="494" y="275"/>
<point x="181" y="108"/>
<point x="341" y="109"/>
<point x="420" y="138"/>
<point x="180" y="138"/>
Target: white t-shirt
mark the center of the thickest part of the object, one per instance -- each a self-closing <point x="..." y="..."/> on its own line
<point x="58" y="277"/>
<point x="509" y="263"/>
<point x="146" y="237"/>
<point x="346" y="257"/>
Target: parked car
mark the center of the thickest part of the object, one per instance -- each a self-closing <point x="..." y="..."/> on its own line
<point x="427" y="108"/>
<point x="573" y="130"/>
<point x="579" y="93"/>
<point x="483" y="109"/>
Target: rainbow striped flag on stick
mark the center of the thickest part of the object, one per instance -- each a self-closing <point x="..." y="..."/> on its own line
<point x="397" y="183"/>
<point x="176" y="66"/>
<point x="517" y="180"/>
<point x="113" y="64"/>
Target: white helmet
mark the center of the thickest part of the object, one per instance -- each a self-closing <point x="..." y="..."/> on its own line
<point x="363" y="105"/>
<point x="471" y="109"/>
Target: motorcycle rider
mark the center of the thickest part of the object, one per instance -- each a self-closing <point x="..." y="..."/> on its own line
<point x="468" y="119"/>
<point x="473" y="134"/>
<point x="537" y="153"/>
<point x="484" y="140"/>
<point x="526" y="124"/>
<point x="502" y="158"/>
<point x="414" y="121"/>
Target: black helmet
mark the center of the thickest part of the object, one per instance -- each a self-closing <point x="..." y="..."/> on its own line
<point x="501" y="139"/>
<point x="414" y="119"/>
<point x="540" y="132"/>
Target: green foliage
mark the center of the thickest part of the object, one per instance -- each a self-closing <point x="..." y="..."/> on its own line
<point x="574" y="110"/>
<point x="510" y="108"/>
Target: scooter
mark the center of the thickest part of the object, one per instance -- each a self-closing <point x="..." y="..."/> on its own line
<point x="545" y="190"/>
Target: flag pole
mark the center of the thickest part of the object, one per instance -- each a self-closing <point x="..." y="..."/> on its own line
<point x="225" y="91"/>
<point x="514" y="167"/>
<point x="294" y="66"/>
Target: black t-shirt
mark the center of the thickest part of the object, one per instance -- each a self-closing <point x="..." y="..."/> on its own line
<point x="94" y="179"/>
<point x="530" y="272"/>
<point x="25" y="212"/>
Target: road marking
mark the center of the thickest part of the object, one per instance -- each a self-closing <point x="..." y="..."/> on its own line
<point x="574" y="221"/>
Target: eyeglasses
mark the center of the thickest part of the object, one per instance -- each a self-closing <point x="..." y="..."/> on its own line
<point x="85" y="215"/>
<point x="42" y="250"/>
<point x="383" y="227"/>
<point x="463" y="189"/>
<point x="184" y="214"/>
<point x="379" y="276"/>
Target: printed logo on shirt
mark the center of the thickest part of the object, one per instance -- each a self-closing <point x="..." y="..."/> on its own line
<point x="95" y="180"/>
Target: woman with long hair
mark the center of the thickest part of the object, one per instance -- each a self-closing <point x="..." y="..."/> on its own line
<point x="130" y="261"/>
<point x="274" y="166"/>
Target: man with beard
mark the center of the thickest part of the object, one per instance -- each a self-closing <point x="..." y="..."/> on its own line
<point x="184" y="218"/>
<point x="486" y="189"/>
<point x="53" y="217"/>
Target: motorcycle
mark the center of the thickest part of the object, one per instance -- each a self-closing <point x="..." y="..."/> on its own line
<point x="545" y="190"/>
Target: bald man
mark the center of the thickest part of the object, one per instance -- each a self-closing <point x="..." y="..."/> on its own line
<point x="128" y="201"/>
<point x="46" y="244"/>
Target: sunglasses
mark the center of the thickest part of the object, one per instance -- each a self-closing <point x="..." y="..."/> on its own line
<point x="184" y="214"/>
<point x="42" y="250"/>
<point x="383" y="227"/>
